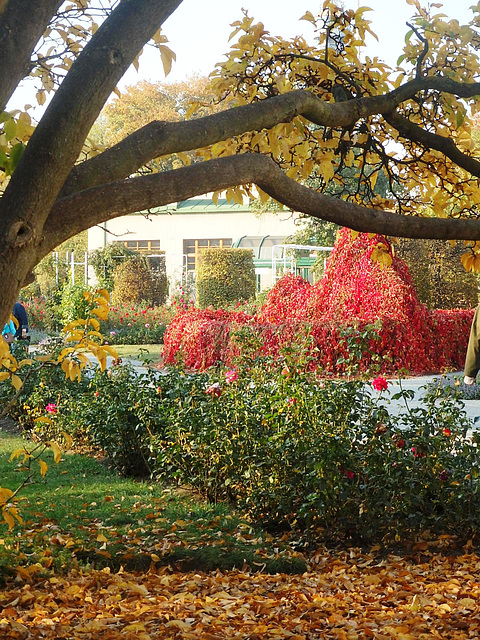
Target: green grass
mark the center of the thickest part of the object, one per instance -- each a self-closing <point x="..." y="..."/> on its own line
<point x="82" y="514"/>
<point x="139" y="351"/>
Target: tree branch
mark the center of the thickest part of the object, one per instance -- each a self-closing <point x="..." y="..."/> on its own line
<point x="413" y="132"/>
<point x="18" y="36"/>
<point x="421" y="57"/>
<point x="82" y="210"/>
<point x="58" y="139"/>
<point x="161" y="138"/>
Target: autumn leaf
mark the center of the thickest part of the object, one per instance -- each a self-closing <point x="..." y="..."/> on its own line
<point x="43" y="467"/>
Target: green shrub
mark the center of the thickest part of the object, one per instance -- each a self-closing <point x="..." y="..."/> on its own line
<point x="73" y="304"/>
<point x="224" y="276"/>
<point x="322" y="456"/>
<point x="439" y="278"/>
<point x="133" y="282"/>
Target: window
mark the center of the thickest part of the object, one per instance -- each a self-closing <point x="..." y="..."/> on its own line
<point x="191" y="247"/>
<point x="142" y="246"/>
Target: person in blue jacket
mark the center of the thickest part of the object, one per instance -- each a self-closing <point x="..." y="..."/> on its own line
<point x="20" y="316"/>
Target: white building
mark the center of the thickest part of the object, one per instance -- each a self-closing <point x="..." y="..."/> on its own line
<point x="180" y="230"/>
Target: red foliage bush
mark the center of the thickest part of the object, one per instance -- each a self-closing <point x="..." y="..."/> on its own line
<point x="354" y="292"/>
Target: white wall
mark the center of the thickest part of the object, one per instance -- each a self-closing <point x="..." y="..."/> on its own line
<point x="173" y="228"/>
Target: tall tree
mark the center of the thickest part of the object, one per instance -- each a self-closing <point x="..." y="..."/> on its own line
<point x="289" y="111"/>
<point x="147" y="101"/>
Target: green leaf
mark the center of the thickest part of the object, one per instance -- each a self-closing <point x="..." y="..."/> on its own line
<point x="15" y="155"/>
<point x="10" y="129"/>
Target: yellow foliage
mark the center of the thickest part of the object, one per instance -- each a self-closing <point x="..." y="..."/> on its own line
<point x="382" y="255"/>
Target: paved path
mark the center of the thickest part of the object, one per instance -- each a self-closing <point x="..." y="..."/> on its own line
<point x="418" y="384"/>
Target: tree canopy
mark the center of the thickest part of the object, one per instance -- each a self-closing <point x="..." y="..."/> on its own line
<point x="289" y="112"/>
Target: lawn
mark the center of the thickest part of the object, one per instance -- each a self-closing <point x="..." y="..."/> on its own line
<point x="83" y="514"/>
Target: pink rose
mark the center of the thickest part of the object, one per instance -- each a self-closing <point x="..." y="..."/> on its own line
<point x="231" y="375"/>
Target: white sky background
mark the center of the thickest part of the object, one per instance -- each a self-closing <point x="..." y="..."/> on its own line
<point x="198" y="32"/>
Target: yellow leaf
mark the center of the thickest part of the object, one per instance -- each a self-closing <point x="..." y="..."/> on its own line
<point x="68" y="439"/>
<point x="168" y="56"/>
<point x="17" y="382"/>
<point x="308" y="16"/>
<point x="14" y="512"/>
<point x="101" y="538"/>
<point x="43" y="467"/>
<point x="4" y="375"/>
<point x="66" y="367"/>
<point x="44" y="419"/>
<point x="5" y="495"/>
<point x="16" y="454"/>
<point x="24" y="362"/>
<point x="95" y="333"/>
<point x="57" y="454"/>
<point x="468" y="260"/>
<point x="104" y="293"/>
<point x="382" y="257"/>
<point x="8" y="518"/>
<point x="95" y="324"/>
<point x="101" y="313"/>
<point x="65" y="352"/>
<point x="110" y="350"/>
<point x="100" y="300"/>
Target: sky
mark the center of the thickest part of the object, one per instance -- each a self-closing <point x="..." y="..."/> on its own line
<point x="198" y="32"/>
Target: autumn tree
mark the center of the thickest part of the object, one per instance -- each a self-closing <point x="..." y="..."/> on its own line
<point x="290" y="111"/>
<point x="147" y="101"/>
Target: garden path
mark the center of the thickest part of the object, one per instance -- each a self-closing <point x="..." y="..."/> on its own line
<point x="419" y="384"/>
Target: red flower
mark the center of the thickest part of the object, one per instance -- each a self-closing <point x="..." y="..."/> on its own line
<point x="380" y="384"/>
<point x="417" y="453"/>
<point x="447" y="432"/>
<point x="400" y="443"/>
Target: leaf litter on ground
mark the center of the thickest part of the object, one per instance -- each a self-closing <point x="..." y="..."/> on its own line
<point x="104" y="557"/>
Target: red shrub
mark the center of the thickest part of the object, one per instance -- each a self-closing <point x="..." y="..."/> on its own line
<point x="355" y="291"/>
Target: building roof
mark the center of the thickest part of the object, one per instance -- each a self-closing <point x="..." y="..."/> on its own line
<point x="198" y="205"/>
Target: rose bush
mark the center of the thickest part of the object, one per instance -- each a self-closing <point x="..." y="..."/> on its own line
<point x="290" y="449"/>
